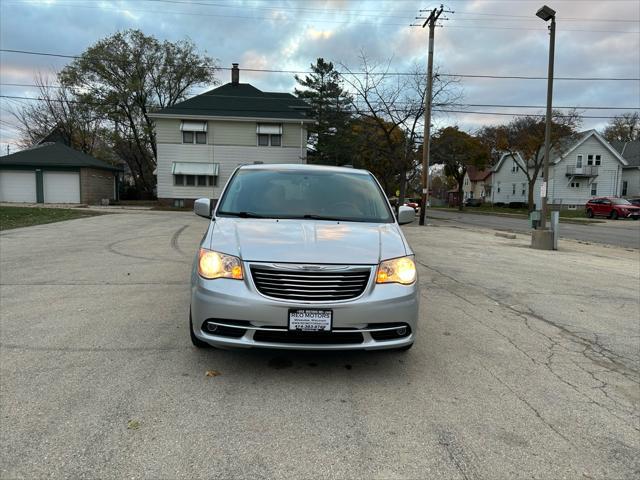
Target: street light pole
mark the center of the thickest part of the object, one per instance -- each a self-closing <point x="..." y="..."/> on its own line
<point x="547" y="130"/>
<point x="543" y="238"/>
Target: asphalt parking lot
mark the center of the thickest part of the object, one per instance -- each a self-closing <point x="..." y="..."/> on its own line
<point x="526" y="366"/>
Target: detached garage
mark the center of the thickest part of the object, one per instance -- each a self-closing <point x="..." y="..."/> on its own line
<point x="55" y="173"/>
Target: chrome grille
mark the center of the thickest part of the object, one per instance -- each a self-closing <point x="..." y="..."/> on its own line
<point x="309" y="285"/>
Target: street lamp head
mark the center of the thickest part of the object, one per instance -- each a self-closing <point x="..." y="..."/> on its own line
<point x="546" y="13"/>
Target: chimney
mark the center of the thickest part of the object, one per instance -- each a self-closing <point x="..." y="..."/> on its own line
<point x="235" y="74"/>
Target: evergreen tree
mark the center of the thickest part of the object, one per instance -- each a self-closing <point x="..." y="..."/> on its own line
<point x="330" y="107"/>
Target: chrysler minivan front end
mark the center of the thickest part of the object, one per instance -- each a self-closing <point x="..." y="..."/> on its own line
<point x="303" y="257"/>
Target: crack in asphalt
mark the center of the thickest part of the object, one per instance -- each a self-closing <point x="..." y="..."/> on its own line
<point x="592" y="350"/>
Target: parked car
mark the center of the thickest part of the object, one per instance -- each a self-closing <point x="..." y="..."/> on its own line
<point x="472" y="202"/>
<point x="612" y="207"/>
<point x="303" y="257"/>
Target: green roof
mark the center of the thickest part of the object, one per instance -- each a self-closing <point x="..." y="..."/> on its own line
<point x="240" y="100"/>
<point x="53" y="155"/>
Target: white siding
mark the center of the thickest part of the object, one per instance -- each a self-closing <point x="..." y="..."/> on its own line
<point x="168" y="130"/>
<point x="233" y="133"/>
<point x="506" y="178"/>
<point x="227" y="156"/>
<point x="609" y="178"/>
<point x="632" y="177"/>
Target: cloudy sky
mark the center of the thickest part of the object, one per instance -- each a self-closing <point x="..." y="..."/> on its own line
<point x="595" y="38"/>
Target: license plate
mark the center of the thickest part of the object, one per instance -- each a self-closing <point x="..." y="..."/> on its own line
<point x="310" y="320"/>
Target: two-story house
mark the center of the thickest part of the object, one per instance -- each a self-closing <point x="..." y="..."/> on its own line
<point x="201" y="141"/>
<point x="588" y="167"/>
<point x="477" y="183"/>
<point x="630" y="151"/>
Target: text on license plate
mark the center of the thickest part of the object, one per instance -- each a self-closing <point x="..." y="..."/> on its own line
<point x="308" y="320"/>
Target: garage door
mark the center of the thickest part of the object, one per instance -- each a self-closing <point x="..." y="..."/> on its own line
<point x="17" y="186"/>
<point x="61" y="187"/>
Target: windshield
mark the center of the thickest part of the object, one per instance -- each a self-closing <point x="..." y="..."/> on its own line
<point x="320" y="195"/>
<point x="620" y="201"/>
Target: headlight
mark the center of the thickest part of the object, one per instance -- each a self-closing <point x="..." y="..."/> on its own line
<point x="398" y="270"/>
<point x="218" y="265"/>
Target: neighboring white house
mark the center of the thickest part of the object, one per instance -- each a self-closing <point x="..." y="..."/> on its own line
<point x="590" y="167"/>
<point x="630" y="173"/>
<point x="202" y="140"/>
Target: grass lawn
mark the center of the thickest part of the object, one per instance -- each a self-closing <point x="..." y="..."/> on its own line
<point x="15" y="217"/>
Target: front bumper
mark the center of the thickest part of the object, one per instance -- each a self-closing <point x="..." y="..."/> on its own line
<point x="230" y="303"/>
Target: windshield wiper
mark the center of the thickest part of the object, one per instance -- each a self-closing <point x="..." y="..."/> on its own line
<point x="243" y="214"/>
<point x="323" y="217"/>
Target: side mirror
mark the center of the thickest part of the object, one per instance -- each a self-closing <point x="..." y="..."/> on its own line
<point x="406" y="215"/>
<point x="202" y="207"/>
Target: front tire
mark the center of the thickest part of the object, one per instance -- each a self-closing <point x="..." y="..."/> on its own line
<point x="195" y="340"/>
<point x="614" y="215"/>
<point x="589" y="213"/>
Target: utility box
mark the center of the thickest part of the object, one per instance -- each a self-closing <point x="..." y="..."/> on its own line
<point x="534" y="219"/>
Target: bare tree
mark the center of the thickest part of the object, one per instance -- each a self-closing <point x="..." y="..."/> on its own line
<point x="623" y="128"/>
<point x="395" y="105"/>
<point x="76" y="123"/>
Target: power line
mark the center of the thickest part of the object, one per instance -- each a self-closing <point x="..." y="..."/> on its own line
<point x="15" y="97"/>
<point x="307" y="72"/>
<point x="485" y="105"/>
<point x="264" y="18"/>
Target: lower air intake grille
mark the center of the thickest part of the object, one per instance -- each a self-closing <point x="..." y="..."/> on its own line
<point x="312" y="338"/>
<point x="309" y="285"/>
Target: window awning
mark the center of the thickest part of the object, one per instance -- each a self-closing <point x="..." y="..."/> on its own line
<point x="270" y="128"/>
<point x="188" y="126"/>
<point x="193" y="168"/>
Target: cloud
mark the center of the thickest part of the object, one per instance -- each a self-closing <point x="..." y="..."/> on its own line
<point x="291" y="35"/>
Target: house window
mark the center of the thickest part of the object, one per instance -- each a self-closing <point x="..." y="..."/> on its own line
<point x="524" y="189"/>
<point x="575" y="184"/>
<point x="594" y="189"/>
<point x="269" y="134"/>
<point x="598" y="159"/>
<point x="194" y="137"/>
<point x="193" y="132"/>
<point x="589" y="159"/>
<point x="263" y="140"/>
<point x="624" y="188"/>
<point x="513" y="189"/>
<point x="187" y="137"/>
<point x="269" y="140"/>
<point x="498" y="189"/>
<point x="514" y="167"/>
<point x="195" y="180"/>
<point x="579" y="161"/>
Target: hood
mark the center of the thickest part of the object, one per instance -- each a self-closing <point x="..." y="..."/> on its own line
<point x="306" y="241"/>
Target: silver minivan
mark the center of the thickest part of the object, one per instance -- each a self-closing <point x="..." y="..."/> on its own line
<point x="303" y="257"/>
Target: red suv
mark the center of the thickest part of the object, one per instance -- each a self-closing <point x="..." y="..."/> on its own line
<point x="612" y="207"/>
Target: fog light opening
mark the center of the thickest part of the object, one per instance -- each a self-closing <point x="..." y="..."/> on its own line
<point x="401" y="331"/>
<point x="212" y="327"/>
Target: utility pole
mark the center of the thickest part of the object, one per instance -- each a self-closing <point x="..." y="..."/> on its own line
<point x="426" y="142"/>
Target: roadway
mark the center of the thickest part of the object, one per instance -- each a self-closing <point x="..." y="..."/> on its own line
<point x="622" y="233"/>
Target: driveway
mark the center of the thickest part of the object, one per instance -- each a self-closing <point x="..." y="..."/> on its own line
<point x="622" y="233"/>
<point x="526" y="365"/>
